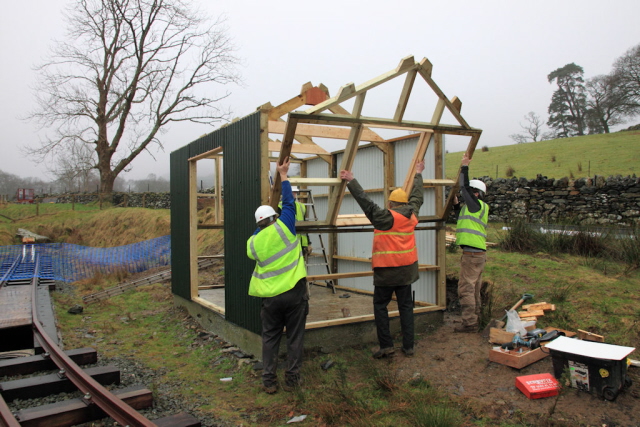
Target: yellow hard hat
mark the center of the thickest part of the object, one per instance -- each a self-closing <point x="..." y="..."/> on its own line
<point x="398" y="195"/>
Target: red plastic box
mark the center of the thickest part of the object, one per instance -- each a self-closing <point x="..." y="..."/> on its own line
<point x="538" y="386"/>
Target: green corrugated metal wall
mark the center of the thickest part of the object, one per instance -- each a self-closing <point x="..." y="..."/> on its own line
<point x="241" y="167"/>
<point x="179" y="185"/>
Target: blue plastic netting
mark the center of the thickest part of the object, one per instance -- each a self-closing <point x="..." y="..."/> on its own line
<point x="67" y="262"/>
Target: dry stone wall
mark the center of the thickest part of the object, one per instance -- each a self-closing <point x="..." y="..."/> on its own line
<point x="598" y="200"/>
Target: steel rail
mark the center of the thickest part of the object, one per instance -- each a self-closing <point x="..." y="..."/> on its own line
<point x="7" y="419"/>
<point x="10" y="270"/>
<point x="93" y="391"/>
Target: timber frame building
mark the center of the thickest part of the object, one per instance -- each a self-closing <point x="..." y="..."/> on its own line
<point x="242" y="155"/>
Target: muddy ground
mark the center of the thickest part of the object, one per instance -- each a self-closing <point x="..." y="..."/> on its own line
<point x="459" y="364"/>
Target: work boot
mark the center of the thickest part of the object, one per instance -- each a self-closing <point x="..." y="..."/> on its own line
<point x="383" y="352"/>
<point x="269" y="389"/>
<point x="466" y="329"/>
<point x="408" y="352"/>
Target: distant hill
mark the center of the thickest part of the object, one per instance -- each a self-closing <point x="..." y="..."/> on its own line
<point x="609" y="154"/>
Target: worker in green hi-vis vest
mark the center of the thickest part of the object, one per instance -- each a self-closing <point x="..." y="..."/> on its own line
<point x="471" y="236"/>
<point x="301" y="214"/>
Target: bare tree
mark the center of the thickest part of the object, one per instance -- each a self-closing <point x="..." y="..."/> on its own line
<point x="128" y="69"/>
<point x="607" y="104"/>
<point x="627" y="70"/>
<point x="532" y="127"/>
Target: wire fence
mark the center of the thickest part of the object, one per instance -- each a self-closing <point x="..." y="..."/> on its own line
<point x="74" y="262"/>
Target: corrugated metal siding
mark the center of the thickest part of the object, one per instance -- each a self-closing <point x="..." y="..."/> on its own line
<point x="242" y="181"/>
<point x="318" y="168"/>
<point x="367" y="169"/>
<point x="179" y="185"/>
<point x="241" y="175"/>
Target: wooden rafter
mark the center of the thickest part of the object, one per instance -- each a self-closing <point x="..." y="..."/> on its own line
<point x="425" y="71"/>
<point x="349" y="90"/>
<point x="337" y="193"/>
<point x="404" y="95"/>
<point x="418" y="155"/>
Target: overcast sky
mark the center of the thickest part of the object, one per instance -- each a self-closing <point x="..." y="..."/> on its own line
<point x="494" y="55"/>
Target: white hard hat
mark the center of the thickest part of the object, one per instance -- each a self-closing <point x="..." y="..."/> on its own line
<point x="294" y="188"/>
<point x="264" y="211"/>
<point x="477" y="184"/>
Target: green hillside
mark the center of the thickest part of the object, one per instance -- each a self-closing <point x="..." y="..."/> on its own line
<point x="609" y="154"/>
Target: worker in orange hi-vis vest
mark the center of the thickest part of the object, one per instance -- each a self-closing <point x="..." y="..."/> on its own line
<point x="394" y="257"/>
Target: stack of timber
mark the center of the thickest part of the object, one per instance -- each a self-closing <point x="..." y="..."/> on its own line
<point x="531" y="312"/>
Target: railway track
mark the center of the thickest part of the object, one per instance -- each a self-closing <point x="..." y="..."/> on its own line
<point x="96" y="401"/>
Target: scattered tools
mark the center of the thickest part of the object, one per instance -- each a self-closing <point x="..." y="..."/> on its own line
<point x="494" y="323"/>
<point x="532" y="340"/>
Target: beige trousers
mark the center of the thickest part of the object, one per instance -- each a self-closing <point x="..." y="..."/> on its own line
<point x="469" y="285"/>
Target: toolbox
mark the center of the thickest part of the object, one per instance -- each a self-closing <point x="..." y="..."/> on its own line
<point x="538" y="386"/>
<point x="593" y="367"/>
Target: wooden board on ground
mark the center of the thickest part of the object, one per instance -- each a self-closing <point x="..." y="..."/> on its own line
<point x="531" y="313"/>
<point x="514" y="358"/>
<point x="539" y="306"/>
<point x="588" y="336"/>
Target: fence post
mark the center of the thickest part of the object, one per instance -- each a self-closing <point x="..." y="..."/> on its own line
<point x="37" y="207"/>
<point x="144" y="200"/>
<point x="100" y="198"/>
<point x="73" y="202"/>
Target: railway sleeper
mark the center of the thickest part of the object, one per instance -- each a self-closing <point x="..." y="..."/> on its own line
<point x="30" y="364"/>
<point x="45" y="385"/>
<point x="76" y="411"/>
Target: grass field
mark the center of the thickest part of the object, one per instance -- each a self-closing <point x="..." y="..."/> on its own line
<point x="612" y="154"/>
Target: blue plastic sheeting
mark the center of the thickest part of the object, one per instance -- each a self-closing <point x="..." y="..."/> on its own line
<point x="67" y="262"/>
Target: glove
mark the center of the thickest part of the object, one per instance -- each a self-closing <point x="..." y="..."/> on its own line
<point x="309" y="250"/>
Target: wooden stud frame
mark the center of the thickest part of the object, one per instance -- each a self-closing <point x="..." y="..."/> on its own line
<point x="330" y="120"/>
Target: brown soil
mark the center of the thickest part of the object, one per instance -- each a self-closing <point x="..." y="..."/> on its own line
<point x="458" y="363"/>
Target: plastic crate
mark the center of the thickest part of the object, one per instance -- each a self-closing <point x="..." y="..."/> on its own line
<point x="593" y="367"/>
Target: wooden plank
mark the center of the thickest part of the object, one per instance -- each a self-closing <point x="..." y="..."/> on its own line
<point x="315" y="181"/>
<point x="418" y="155"/>
<point x="589" y="336"/>
<point x="540" y="306"/>
<point x="515" y="359"/>
<point x="178" y="420"/>
<point x="500" y="336"/>
<point x="358" y="105"/>
<point x="403" y="100"/>
<point x="193" y="227"/>
<point x="329" y="132"/>
<point x="438" y="182"/>
<point x="216" y="152"/>
<point x="299" y="148"/>
<point x="342" y="120"/>
<point x="337" y="193"/>
<point x="349" y="91"/>
<point x="531" y="313"/>
<point x="287" y="142"/>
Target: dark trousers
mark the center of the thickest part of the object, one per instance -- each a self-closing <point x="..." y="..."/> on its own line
<point x="381" y="298"/>
<point x="288" y="310"/>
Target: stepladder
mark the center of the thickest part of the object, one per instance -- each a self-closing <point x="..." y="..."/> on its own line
<point x="317" y="258"/>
